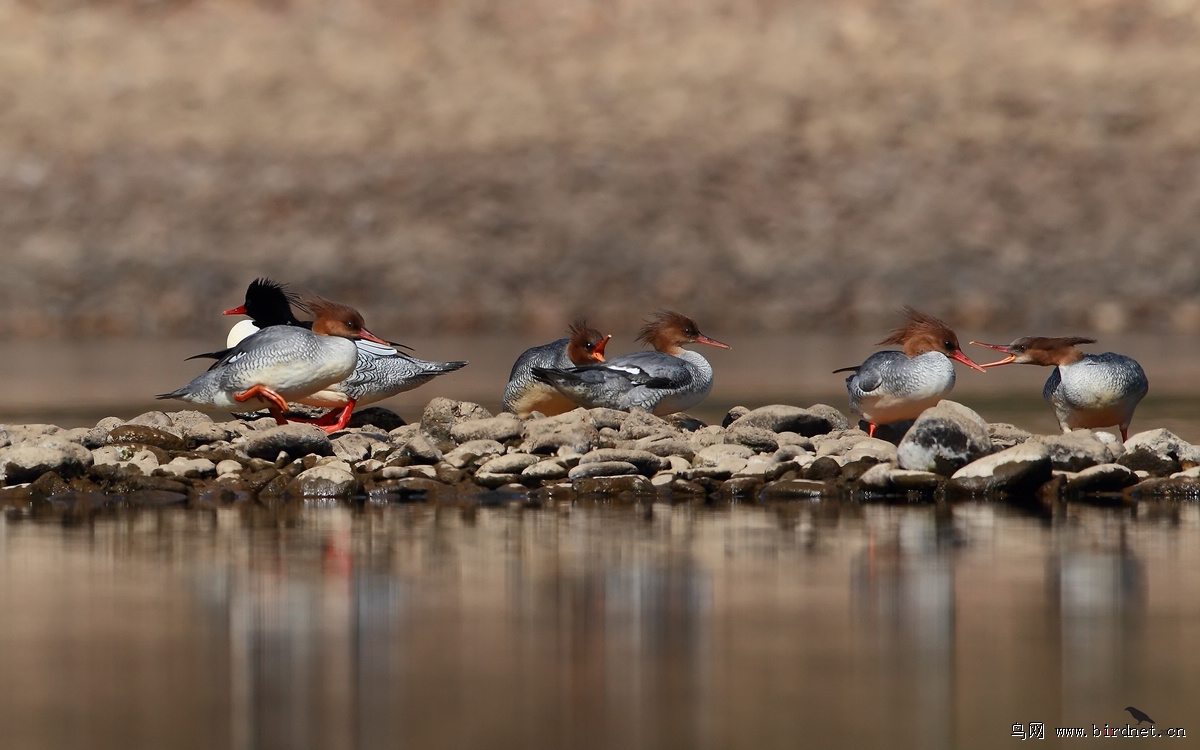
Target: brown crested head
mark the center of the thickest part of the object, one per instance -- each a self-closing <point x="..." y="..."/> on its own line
<point x="1047" y="351"/>
<point x="669" y="331"/>
<point x="336" y="319"/>
<point x="586" y="344"/>
<point x="924" y="333"/>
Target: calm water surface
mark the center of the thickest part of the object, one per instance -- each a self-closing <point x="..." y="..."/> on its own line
<point x="597" y="626"/>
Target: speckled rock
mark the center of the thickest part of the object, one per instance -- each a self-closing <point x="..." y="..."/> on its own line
<point x="629" y="486"/>
<point x="641" y="423"/>
<point x="352" y="446"/>
<point x="837" y="443"/>
<point x="713" y="454"/>
<point x="126" y="455"/>
<point x="421" y="450"/>
<point x="136" y="433"/>
<point x="572" y="430"/>
<point x="199" y="433"/>
<point x="442" y="414"/>
<point x="1004" y="435"/>
<point x="611" y="418"/>
<point x="294" y="439"/>
<point x="159" y="420"/>
<point x="759" y="439"/>
<point x="664" y="446"/>
<point x="943" y="439"/>
<point x="501" y="429"/>
<point x="1021" y="468"/>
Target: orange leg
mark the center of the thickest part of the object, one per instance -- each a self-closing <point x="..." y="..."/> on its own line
<point x="277" y="403"/>
<point x="871" y="429"/>
<point x="331" y="421"/>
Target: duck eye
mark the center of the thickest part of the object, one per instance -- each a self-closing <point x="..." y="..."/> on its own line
<point x="949" y="345"/>
<point x="1019" y="348"/>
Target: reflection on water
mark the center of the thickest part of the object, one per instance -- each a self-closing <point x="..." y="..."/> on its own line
<point x="595" y="626"/>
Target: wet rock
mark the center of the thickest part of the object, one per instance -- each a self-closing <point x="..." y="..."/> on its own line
<point x="469" y="453"/>
<point x="823" y="469"/>
<point x="795" y="489"/>
<point x="25" y="462"/>
<point x="1076" y="450"/>
<point x="401" y="472"/>
<point x="46" y="486"/>
<point x="945" y="438"/>
<point x="1022" y="468"/>
<point x="501" y="429"/>
<point x="570" y="430"/>
<point x="421" y="450"/>
<point x="1159" y="452"/>
<point x="294" y="439"/>
<point x="641" y="423"/>
<point x="1165" y="487"/>
<point x="442" y="414"/>
<point x="885" y="477"/>
<point x="135" y="433"/>
<point x="376" y="416"/>
<point x="646" y="463"/>
<point x="740" y="488"/>
<point x="326" y="480"/>
<point x="758" y="439"/>
<point x="1101" y="478"/>
<point x="546" y="469"/>
<point x="192" y="468"/>
<point x="602" y="469"/>
<point x="784" y="418"/>
<point x="629" y="486"/>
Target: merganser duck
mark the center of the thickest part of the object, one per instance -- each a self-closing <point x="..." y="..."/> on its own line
<point x="382" y="370"/>
<point x="1086" y="390"/>
<point x="283" y="362"/>
<point x="664" y="381"/>
<point x="894" y="386"/>
<point x="525" y="394"/>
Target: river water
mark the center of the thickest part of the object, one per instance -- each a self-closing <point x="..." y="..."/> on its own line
<point x="597" y="626"/>
<point x="806" y="624"/>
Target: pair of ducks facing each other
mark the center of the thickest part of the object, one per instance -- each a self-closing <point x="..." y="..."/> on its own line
<point x="572" y="372"/>
<point x="330" y="362"/>
<point x="1085" y="390"/>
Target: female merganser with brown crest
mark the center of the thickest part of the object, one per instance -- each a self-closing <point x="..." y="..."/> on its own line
<point x="664" y="381"/>
<point x="1086" y="390"/>
<point x="894" y="386"/>
<point x="283" y="362"/>
<point x="525" y="394"/>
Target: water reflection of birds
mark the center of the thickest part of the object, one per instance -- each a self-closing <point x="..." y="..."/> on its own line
<point x="1139" y="715"/>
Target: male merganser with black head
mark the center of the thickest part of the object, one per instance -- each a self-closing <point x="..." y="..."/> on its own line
<point x="525" y="394"/>
<point x="283" y="362"/>
<point x="664" y="381"/>
<point x="1086" y="390"/>
<point x="894" y="386"/>
<point x="382" y="370"/>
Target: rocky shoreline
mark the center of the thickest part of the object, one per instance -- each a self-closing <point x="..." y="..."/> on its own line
<point x="459" y="452"/>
